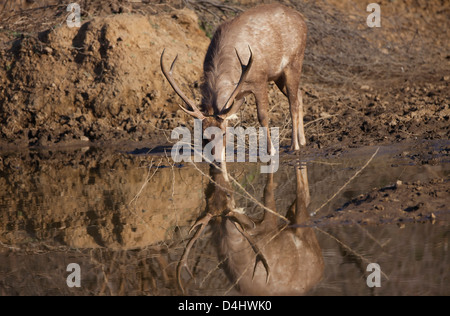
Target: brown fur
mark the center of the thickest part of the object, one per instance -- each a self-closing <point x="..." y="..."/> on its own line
<point x="293" y="255"/>
<point x="276" y="36"/>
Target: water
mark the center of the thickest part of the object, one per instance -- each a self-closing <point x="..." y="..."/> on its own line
<point x="124" y="218"/>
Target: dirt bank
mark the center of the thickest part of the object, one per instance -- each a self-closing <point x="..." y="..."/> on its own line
<point x="99" y="82"/>
<point x="102" y="83"/>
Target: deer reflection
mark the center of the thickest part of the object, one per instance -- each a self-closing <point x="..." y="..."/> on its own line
<point x="265" y="257"/>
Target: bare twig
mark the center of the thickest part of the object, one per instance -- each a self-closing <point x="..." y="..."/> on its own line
<point x="359" y="256"/>
<point x="346" y="183"/>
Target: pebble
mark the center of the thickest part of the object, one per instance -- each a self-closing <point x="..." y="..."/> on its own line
<point x="48" y="50"/>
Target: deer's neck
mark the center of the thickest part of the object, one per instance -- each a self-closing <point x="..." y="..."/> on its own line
<point x="221" y="72"/>
<point x="234" y="247"/>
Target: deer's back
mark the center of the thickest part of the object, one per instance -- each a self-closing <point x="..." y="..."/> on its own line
<point x="275" y="33"/>
<point x="294" y="258"/>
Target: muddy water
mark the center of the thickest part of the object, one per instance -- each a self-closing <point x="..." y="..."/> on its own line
<point x="124" y="217"/>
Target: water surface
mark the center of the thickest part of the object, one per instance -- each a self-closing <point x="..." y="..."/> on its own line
<point x="124" y="218"/>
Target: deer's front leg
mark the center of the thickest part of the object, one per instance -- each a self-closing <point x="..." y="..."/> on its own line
<point x="301" y="131"/>
<point x="262" y="105"/>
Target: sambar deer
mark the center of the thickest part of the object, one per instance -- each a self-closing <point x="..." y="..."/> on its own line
<point x="271" y="38"/>
<point x="292" y="261"/>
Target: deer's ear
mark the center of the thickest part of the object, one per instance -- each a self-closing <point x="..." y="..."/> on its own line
<point x="231" y="110"/>
<point x="239" y="210"/>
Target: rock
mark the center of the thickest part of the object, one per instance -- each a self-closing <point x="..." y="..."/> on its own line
<point x="433" y="218"/>
<point x="48" y="50"/>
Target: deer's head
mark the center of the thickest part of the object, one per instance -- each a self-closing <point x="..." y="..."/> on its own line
<point x="218" y="117"/>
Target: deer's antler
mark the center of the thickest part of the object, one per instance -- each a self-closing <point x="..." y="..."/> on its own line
<point x="259" y="255"/>
<point x="201" y="224"/>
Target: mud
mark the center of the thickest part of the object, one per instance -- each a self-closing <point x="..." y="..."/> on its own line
<point x="96" y="83"/>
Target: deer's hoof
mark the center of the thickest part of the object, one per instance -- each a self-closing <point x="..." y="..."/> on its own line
<point x="294" y="149"/>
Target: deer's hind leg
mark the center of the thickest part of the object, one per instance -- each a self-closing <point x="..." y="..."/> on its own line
<point x="301" y="128"/>
<point x="289" y="84"/>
